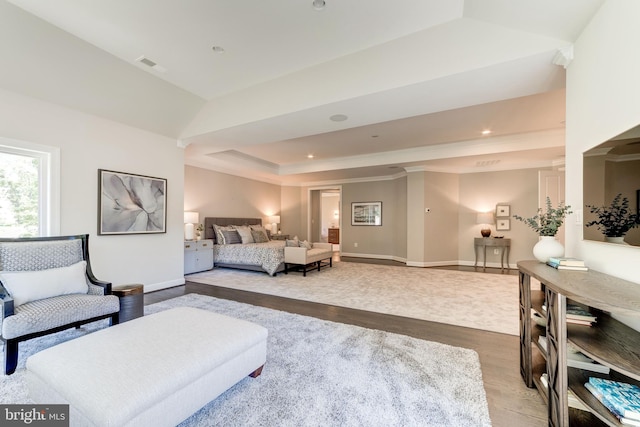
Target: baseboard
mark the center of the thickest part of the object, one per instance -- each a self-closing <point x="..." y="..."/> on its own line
<point x="373" y="256"/>
<point x="489" y="264"/>
<point x="431" y="263"/>
<point x="163" y="285"/>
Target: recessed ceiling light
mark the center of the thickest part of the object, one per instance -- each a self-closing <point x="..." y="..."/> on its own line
<point x="338" y="118"/>
<point x="318" y="4"/>
<point x="310" y="156"/>
<point x="374" y="136"/>
<point x="217" y="49"/>
<point x="486" y="132"/>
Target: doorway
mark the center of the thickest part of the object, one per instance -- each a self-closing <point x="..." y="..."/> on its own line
<point x="325" y="216"/>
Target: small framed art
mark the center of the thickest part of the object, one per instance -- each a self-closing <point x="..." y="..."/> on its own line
<point x="503" y="224"/>
<point x="131" y="204"/>
<point x="503" y="210"/>
<point x="366" y="213"/>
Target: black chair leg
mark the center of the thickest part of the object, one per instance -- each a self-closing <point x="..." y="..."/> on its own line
<point x="10" y="356"/>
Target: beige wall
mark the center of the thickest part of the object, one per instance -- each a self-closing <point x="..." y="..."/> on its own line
<point x="213" y="193"/>
<point x="480" y="192"/>
<point x="86" y="144"/>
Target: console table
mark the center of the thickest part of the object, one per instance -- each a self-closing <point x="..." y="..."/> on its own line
<point x="491" y="242"/>
<point x="608" y="341"/>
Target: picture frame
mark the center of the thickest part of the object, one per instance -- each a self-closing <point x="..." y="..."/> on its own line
<point x="503" y="210"/>
<point x="131" y="204"/>
<point x="503" y="224"/>
<point x="366" y="213"/>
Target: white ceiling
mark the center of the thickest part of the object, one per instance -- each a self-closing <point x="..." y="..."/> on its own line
<point x="418" y="80"/>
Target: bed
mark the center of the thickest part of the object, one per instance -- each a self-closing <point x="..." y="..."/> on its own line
<point x="267" y="257"/>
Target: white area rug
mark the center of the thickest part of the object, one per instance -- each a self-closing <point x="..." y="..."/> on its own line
<point x="475" y="300"/>
<point x="321" y="373"/>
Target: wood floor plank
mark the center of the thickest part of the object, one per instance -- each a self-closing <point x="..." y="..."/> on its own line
<point x="510" y="402"/>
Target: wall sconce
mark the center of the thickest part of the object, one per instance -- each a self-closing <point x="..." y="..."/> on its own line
<point x="486" y="219"/>
<point x="190" y="218"/>
<point x="274" y="220"/>
<point x="336" y="214"/>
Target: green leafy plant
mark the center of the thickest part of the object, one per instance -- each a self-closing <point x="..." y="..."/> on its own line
<point x="616" y="219"/>
<point x="547" y="223"/>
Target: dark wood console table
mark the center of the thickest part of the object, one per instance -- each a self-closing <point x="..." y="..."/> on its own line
<point x="608" y="341"/>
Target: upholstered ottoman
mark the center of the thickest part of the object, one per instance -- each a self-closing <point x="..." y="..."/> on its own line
<point x="156" y="370"/>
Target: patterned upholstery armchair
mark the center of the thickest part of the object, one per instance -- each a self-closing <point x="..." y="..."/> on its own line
<point x="46" y="286"/>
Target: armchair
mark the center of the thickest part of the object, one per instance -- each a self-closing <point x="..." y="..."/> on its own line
<point x="46" y="286"/>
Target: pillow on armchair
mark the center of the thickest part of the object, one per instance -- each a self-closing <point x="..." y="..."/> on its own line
<point x="27" y="286"/>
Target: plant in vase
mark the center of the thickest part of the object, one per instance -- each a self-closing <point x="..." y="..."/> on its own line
<point x="615" y="220"/>
<point x="547" y="224"/>
<point x="199" y="230"/>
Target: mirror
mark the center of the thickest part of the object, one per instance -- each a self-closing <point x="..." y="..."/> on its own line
<point x="609" y="169"/>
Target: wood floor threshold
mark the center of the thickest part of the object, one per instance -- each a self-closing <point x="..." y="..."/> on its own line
<point x="510" y="401"/>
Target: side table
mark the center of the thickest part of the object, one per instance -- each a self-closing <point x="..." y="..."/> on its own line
<point x="131" y="301"/>
<point x="484" y="242"/>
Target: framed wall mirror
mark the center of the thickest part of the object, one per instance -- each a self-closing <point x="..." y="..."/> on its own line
<point x="609" y="169"/>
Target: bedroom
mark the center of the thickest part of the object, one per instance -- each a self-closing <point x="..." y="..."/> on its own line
<point x="602" y="88"/>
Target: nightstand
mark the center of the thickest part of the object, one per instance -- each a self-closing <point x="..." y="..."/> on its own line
<point x="279" y="237"/>
<point x="198" y="255"/>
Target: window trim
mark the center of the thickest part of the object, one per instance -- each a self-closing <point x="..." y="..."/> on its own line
<point x="48" y="180"/>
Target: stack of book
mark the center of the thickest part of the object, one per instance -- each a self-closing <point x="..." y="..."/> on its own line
<point x="622" y="399"/>
<point x="578" y="360"/>
<point x="567" y="264"/>
<point x="578" y="315"/>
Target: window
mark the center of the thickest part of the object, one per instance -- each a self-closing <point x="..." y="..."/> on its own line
<point x="28" y="189"/>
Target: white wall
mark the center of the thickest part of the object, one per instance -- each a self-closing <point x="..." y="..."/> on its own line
<point x="603" y="89"/>
<point x="86" y="144"/>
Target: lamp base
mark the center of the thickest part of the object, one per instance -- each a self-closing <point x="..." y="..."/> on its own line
<point x="486" y="232"/>
<point x="189" y="232"/>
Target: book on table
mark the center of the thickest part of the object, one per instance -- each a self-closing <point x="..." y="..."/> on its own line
<point x="622" y="399"/>
<point x="578" y="360"/>
<point x="577" y="314"/>
<point x="573" y="262"/>
<point x="567" y="267"/>
<point x="573" y="401"/>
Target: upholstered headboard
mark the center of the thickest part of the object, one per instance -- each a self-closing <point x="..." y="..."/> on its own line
<point x="209" y="221"/>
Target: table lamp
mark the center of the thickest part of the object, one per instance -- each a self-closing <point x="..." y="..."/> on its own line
<point x="274" y="220"/>
<point x="190" y="218"/>
<point x="486" y="219"/>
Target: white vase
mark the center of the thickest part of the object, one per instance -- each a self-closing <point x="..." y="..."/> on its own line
<point x="618" y="239"/>
<point x="547" y="247"/>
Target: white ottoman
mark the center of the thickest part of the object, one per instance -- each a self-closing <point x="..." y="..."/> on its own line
<point x="156" y="370"/>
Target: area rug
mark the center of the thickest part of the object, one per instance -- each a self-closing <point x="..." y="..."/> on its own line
<point x="321" y="373"/>
<point x="471" y="299"/>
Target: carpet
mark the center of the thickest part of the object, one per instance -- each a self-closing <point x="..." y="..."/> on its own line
<point x="470" y="299"/>
<point x="321" y="373"/>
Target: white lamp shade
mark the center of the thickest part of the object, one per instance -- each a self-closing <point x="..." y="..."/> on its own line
<point x="484" y="218"/>
<point x="191" y="217"/>
<point x="275" y="219"/>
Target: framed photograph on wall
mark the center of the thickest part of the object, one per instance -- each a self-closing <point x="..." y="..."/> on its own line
<point x="131" y="204"/>
<point x="366" y="213"/>
<point x="503" y="224"/>
<point x="503" y="210"/>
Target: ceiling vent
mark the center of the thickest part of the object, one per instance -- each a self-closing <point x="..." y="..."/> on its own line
<point x="151" y="64"/>
<point x="485" y="163"/>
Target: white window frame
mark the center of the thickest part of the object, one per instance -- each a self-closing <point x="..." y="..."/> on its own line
<point x="48" y="180"/>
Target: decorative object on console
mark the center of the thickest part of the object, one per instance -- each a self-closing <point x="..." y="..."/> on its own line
<point x="486" y="219"/>
<point x="190" y="219"/>
<point x="199" y="230"/>
<point x="615" y="220"/>
<point x="274" y="220"/>
<point x="131" y="204"/>
<point x="546" y="225"/>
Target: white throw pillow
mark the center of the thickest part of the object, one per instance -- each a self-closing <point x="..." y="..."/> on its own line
<point x="245" y="234"/>
<point x="305" y="244"/>
<point x="27" y="286"/>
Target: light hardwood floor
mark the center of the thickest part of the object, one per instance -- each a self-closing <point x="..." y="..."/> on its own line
<point x="511" y="403"/>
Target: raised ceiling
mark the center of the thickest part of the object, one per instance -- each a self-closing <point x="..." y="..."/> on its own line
<point x="418" y="80"/>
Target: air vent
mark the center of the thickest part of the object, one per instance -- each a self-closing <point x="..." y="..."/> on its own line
<point x="485" y="163"/>
<point x="149" y="63"/>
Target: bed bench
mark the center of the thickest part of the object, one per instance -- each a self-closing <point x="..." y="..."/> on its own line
<point x="155" y="370"/>
<point x="308" y="259"/>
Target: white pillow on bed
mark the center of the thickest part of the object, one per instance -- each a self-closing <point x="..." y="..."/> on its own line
<point x="245" y="234"/>
<point x="27" y="286"/>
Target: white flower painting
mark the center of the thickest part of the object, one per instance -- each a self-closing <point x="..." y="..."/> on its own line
<point x="131" y="204"/>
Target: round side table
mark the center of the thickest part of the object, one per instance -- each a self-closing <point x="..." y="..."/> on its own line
<point x="131" y="301"/>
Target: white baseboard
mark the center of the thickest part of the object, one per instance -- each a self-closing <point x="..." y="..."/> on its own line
<point x="373" y="256"/>
<point x="163" y="285"/>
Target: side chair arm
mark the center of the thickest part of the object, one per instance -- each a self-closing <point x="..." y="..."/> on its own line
<point x="104" y="285"/>
<point x="7" y="302"/>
